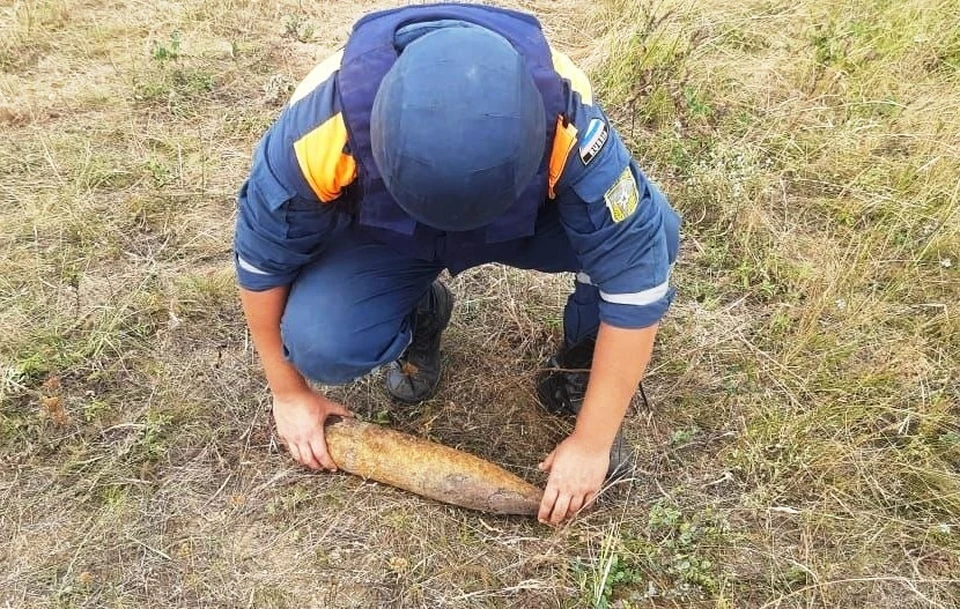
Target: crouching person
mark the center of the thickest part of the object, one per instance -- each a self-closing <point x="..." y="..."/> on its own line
<point x="446" y="137"/>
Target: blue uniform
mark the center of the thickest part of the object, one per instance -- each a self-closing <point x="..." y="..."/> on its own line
<point x="354" y="286"/>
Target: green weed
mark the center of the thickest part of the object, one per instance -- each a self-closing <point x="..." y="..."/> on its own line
<point x="169" y="50"/>
<point x="684" y="436"/>
<point x="172" y="81"/>
<point x="299" y="28"/>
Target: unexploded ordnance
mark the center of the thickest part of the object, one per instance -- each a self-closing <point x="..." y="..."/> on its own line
<point x="428" y="469"/>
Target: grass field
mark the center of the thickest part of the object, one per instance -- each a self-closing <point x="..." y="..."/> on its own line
<point x="802" y="448"/>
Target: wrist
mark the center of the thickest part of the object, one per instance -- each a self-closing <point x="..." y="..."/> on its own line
<point x="593" y="439"/>
<point x="288" y="384"/>
<point x="598" y="423"/>
<point x="283" y="377"/>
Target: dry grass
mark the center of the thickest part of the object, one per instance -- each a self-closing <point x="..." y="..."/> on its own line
<point x="802" y="449"/>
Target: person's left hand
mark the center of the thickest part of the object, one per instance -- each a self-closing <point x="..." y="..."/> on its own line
<point x="577" y="468"/>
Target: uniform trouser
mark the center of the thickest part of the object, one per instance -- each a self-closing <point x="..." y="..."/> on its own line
<point x="351" y="311"/>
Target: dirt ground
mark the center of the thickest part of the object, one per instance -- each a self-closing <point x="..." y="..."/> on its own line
<point x="801" y="448"/>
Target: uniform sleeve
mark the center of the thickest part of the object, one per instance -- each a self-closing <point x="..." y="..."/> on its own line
<point x="277" y="232"/>
<point x="620" y="225"/>
<point x="299" y="168"/>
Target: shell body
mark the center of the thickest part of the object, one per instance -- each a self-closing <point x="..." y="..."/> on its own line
<point x="428" y="469"/>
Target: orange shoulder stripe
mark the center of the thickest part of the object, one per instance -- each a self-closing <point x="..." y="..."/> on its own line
<point x="322" y="161"/>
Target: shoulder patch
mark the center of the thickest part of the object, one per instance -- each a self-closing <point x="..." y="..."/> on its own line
<point x="623" y="196"/>
<point x="594" y="138"/>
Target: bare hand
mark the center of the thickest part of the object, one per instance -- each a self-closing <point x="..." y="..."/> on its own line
<point x="299" y="419"/>
<point x="577" y="468"/>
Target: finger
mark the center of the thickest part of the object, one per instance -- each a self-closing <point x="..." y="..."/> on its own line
<point x="294" y="451"/>
<point x="319" y="448"/>
<point x="546" y="504"/>
<point x="576" y="502"/>
<point x="307" y="457"/>
<point x="560" y="509"/>
<point x="547" y="463"/>
<point x="339" y="410"/>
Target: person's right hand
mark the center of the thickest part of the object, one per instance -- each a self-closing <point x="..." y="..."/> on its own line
<point x="299" y="419"/>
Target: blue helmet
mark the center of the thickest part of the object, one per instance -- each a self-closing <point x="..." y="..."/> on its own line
<point x="458" y="128"/>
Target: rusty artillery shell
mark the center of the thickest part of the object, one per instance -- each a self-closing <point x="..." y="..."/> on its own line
<point x="428" y="469"/>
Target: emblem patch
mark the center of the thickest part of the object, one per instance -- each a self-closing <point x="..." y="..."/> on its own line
<point x="622" y="197"/>
<point x="593" y="140"/>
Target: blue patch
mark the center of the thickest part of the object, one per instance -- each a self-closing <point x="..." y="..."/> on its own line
<point x="594" y="138"/>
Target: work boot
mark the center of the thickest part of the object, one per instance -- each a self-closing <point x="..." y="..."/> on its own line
<point x="561" y="388"/>
<point x="415" y="376"/>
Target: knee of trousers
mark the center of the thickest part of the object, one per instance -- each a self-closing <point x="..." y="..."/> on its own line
<point x="334" y="353"/>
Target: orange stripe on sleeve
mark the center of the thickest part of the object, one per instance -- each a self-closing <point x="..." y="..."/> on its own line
<point x="322" y="161"/>
<point x="563" y="143"/>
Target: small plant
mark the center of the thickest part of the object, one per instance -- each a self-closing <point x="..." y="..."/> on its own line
<point x="950" y="438"/>
<point x="676" y="544"/>
<point x="663" y="517"/>
<point x="193" y="82"/>
<point x="159" y="171"/>
<point x="684" y="436"/>
<point x="113" y="496"/>
<point x="621" y="573"/>
<point x="298" y="28"/>
<point x="93" y="409"/>
<point x="155" y="439"/>
<point x="610" y="577"/>
<point x="168" y="51"/>
<point x="289" y="502"/>
<point x="697" y="104"/>
<point x="173" y="83"/>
